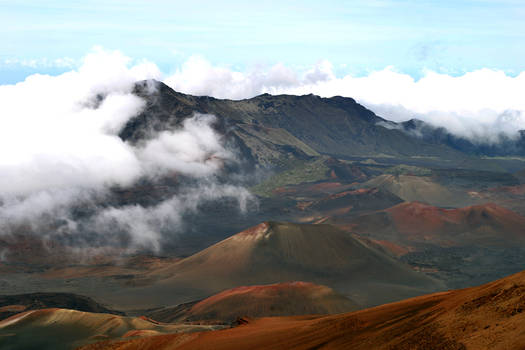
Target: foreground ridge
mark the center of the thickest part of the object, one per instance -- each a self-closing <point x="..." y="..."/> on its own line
<point x="485" y="317"/>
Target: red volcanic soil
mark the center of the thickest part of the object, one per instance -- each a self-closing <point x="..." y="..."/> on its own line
<point x="412" y="223"/>
<point x="291" y="298"/>
<point x="417" y="218"/>
<point x="490" y="316"/>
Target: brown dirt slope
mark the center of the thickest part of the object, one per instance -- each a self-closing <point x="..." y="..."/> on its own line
<point x="13" y="304"/>
<point x="282" y="299"/>
<point x="490" y="316"/>
<point x="413" y="223"/>
<point x="280" y="252"/>
<point x="57" y="329"/>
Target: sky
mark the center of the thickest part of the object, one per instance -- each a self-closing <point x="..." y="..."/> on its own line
<point x="357" y="37"/>
<point x="457" y="64"/>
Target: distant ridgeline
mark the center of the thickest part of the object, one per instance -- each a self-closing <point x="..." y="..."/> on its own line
<point x="505" y="145"/>
<point x="272" y="130"/>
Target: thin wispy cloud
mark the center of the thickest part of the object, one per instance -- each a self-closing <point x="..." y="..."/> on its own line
<point x="40" y="63"/>
<point x="365" y="35"/>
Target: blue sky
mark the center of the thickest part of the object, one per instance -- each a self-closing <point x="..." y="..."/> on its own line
<point x="451" y="37"/>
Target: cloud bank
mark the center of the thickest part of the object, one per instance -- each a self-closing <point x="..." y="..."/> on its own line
<point x="62" y="153"/>
<point x="479" y="105"/>
<point x="60" y="131"/>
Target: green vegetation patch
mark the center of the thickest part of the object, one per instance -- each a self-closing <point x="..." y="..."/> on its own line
<point x="404" y="169"/>
<point x="298" y="172"/>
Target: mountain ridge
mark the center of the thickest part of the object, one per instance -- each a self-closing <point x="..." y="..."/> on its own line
<point x="336" y="126"/>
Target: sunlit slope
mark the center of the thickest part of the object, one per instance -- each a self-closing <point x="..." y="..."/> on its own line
<point x="56" y="329"/>
<point x="282" y="299"/>
<point x="13" y="304"/>
<point x="487" y="317"/>
<point x="280" y="252"/>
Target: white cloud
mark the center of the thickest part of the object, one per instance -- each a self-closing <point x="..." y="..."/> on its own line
<point x="478" y="104"/>
<point x="145" y="225"/>
<point x="59" y="136"/>
<point x="198" y="77"/>
<point x="195" y="149"/>
<point x="52" y="135"/>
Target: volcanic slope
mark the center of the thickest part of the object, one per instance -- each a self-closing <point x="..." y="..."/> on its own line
<point x="462" y="247"/>
<point x="417" y="188"/>
<point x="490" y="316"/>
<point x="57" y="329"/>
<point x="416" y="224"/>
<point x="350" y="203"/>
<point x="282" y="299"/>
<point x="13" y="304"/>
<point x="275" y="252"/>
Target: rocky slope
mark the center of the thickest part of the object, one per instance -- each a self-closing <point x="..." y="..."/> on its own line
<point x="271" y="130"/>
